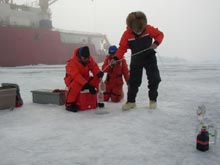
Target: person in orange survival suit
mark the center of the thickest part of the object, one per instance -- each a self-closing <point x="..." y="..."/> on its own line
<point x="78" y="77"/>
<point x="114" y="80"/>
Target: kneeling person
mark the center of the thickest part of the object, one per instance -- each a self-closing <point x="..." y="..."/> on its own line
<point x="115" y="73"/>
<point x="78" y="77"/>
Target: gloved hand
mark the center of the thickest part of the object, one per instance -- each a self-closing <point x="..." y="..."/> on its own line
<point x="91" y="88"/>
<point x="114" y="61"/>
<point x="100" y="74"/>
<point x="153" y="46"/>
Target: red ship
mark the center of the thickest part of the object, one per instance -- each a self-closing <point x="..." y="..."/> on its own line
<point x="27" y="37"/>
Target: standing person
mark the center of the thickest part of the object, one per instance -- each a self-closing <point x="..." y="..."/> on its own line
<point x="142" y="39"/>
<point x="78" y="78"/>
<point x="114" y="81"/>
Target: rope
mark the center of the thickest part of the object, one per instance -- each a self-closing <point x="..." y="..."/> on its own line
<point x="125" y="57"/>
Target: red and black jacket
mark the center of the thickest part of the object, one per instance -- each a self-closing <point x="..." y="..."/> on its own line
<point x="138" y="43"/>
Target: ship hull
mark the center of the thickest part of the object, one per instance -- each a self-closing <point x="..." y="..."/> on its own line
<point x="27" y="46"/>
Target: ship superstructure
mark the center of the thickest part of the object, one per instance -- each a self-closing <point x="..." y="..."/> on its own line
<point x="27" y="37"/>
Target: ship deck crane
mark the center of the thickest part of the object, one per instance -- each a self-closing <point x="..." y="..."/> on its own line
<point x="44" y="4"/>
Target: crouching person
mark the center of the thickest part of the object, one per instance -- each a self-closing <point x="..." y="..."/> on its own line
<point x="78" y="76"/>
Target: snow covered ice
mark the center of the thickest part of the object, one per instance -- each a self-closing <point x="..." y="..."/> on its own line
<point x="48" y="134"/>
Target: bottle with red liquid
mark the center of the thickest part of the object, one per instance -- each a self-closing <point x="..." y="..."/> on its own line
<point x="203" y="140"/>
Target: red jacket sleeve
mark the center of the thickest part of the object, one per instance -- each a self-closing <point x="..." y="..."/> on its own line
<point x="73" y="71"/>
<point x="156" y="34"/>
<point x="123" y="45"/>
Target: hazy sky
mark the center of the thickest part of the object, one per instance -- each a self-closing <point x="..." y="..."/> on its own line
<point x="191" y="27"/>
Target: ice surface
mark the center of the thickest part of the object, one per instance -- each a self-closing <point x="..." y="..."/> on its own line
<point x="48" y="134"/>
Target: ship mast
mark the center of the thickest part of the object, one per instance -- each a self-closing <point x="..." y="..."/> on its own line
<point x="44" y="4"/>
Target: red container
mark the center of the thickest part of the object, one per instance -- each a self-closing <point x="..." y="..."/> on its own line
<point x="86" y="101"/>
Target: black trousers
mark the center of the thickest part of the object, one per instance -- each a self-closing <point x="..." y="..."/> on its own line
<point x="153" y="77"/>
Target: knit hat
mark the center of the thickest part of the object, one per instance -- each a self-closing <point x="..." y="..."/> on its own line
<point x="136" y="21"/>
<point x="84" y="52"/>
<point x="112" y="49"/>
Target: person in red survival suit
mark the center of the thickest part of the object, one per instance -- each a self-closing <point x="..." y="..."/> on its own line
<point x="141" y="38"/>
<point x="114" y="81"/>
<point x="78" y="77"/>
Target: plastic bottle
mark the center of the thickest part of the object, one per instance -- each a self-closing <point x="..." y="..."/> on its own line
<point x="100" y="95"/>
<point x="212" y="134"/>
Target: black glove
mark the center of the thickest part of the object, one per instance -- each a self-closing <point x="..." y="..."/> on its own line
<point x="100" y="74"/>
<point x="91" y="88"/>
<point x="114" y="61"/>
<point x="115" y="58"/>
<point x="86" y="86"/>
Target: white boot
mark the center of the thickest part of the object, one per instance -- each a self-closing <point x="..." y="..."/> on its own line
<point x="128" y="106"/>
<point x="152" y="104"/>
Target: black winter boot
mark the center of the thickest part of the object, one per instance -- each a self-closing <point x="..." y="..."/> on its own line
<point x="72" y="108"/>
